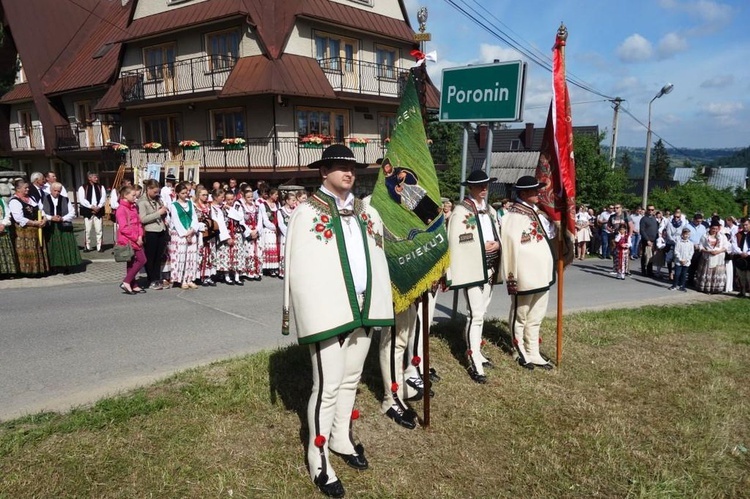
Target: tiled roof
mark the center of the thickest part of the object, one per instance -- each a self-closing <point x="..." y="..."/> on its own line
<point x="338" y="13"/>
<point x="289" y="75"/>
<point x="110" y="102"/>
<point x="510" y="166"/>
<point x="19" y="93"/>
<point x="719" y="178"/>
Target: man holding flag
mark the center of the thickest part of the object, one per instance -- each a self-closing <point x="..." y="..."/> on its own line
<point x="545" y="206"/>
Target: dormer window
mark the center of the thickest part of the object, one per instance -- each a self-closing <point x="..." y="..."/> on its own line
<point x="515" y="145"/>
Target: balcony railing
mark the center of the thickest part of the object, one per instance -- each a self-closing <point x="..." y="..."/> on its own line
<point x="27" y="139"/>
<point x="352" y="75"/>
<point x="262" y="153"/>
<point x="185" y="77"/>
<point x="82" y="136"/>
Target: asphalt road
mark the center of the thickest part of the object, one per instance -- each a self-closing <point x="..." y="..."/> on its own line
<point x="70" y="340"/>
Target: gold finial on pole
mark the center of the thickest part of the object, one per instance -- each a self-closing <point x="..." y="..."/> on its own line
<point x="562" y="32"/>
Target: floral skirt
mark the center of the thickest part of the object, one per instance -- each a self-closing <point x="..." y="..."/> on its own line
<point x="32" y="255"/>
<point x="183" y="258"/>
<point x="8" y="264"/>
<point x="230" y="258"/>
<point x="62" y="247"/>
<point x="271" y="254"/>
<point x="710" y="279"/>
<point x="253" y="259"/>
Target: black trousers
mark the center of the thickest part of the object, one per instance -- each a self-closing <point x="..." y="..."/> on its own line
<point x="155" y="245"/>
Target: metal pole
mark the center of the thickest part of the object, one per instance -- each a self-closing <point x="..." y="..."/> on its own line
<point x="613" y="149"/>
<point x="647" y="166"/>
<point x="464" y="152"/>
<point x="488" y="150"/>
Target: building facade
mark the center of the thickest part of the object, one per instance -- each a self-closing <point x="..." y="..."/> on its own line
<point x="253" y="89"/>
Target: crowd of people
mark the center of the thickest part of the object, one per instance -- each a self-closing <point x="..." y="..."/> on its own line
<point x="36" y="229"/>
<point x="710" y="255"/>
<point x="187" y="236"/>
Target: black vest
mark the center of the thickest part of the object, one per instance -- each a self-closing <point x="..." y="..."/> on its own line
<point x="93" y="194"/>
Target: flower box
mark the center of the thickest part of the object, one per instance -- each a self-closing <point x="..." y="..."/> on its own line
<point x="358" y="142"/>
<point x="233" y="147"/>
<point x="190" y="148"/>
<point x="189" y="145"/>
<point x="152" y="146"/>
<point x="312" y="145"/>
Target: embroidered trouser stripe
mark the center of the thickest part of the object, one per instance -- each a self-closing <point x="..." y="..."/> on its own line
<point x="517" y="339"/>
<point x="315" y="427"/>
<point x="477" y="301"/>
<point x="392" y="349"/>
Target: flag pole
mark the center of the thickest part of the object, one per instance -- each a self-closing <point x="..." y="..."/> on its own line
<point x="560" y="293"/>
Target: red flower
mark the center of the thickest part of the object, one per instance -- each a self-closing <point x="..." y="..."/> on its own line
<point x="483" y="342"/>
<point x="328" y="234"/>
<point x="320" y="441"/>
<point x="515" y="341"/>
<point x="415" y="360"/>
<point x="320" y="228"/>
<point x="394" y="387"/>
<point x="469" y="353"/>
<point x="355" y="414"/>
<point x="324" y="219"/>
<point x="364" y="216"/>
<point x="540" y="341"/>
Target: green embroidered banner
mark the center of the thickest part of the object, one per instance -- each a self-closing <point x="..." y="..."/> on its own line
<point x="407" y="197"/>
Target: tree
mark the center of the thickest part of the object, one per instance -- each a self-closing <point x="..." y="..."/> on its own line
<point x="660" y="162"/>
<point x="626" y="162"/>
<point x="696" y="197"/>
<point x="596" y="183"/>
<point x="446" y="150"/>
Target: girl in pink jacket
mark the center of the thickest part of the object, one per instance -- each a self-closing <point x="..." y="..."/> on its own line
<point x="130" y="231"/>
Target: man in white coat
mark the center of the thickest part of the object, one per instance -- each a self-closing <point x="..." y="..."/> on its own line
<point x="474" y="244"/>
<point x="528" y="269"/>
<point x="338" y="288"/>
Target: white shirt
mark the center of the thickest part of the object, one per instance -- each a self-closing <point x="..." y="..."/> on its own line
<point x="82" y="201"/>
<point x="355" y="244"/>
<point x="485" y="221"/>
<point x="114" y="201"/>
<point x="16" y="209"/>
<point x="69" y="216"/>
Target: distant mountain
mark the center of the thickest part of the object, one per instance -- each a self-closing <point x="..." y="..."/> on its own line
<point x="707" y="157"/>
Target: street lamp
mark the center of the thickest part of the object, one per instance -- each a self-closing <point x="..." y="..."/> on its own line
<point x="664" y="90"/>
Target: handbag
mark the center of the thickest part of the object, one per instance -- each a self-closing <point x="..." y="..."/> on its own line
<point x="123" y="252"/>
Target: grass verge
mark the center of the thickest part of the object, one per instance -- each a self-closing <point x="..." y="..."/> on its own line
<point x="653" y="402"/>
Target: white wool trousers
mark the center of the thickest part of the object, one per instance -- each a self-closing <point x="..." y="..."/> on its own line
<point x="337" y="365"/>
<point x="526" y="315"/>
<point x="477" y="301"/>
<point x="92" y="224"/>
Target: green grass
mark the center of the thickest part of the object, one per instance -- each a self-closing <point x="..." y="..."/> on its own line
<point x="653" y="402"/>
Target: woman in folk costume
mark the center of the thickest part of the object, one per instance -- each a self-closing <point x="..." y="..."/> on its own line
<point x="338" y="287"/>
<point x="183" y="238"/>
<point x="528" y="269"/>
<point x="270" y="236"/>
<point x="622" y="251"/>
<point x="206" y="237"/>
<point x="230" y="253"/>
<point x="474" y="244"/>
<point x="284" y="214"/>
<point x="61" y="241"/>
<point x="711" y="276"/>
<point x="28" y="221"/>
<point x="253" y="251"/>
<point x="8" y="265"/>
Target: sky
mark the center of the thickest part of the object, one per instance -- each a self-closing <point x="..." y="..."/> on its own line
<point x="627" y="49"/>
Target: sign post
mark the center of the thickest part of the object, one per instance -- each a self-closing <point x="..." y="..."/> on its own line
<point x="490" y="92"/>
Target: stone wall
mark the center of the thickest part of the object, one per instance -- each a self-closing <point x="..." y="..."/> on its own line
<point x="6" y="183"/>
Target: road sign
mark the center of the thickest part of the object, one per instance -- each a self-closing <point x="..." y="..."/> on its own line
<point x="490" y="92"/>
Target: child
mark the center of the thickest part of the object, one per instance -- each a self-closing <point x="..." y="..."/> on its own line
<point x="622" y="251"/>
<point x="683" y="253"/>
<point x="659" y="253"/>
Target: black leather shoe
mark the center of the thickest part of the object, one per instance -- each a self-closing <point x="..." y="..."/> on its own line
<point x="546" y="366"/>
<point x="333" y="489"/>
<point x="527" y="365"/>
<point x="476" y="377"/>
<point x="356" y="461"/>
<point x="401" y="419"/>
<point x="434" y="375"/>
<point x="488" y="364"/>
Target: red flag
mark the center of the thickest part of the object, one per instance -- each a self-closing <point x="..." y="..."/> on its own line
<point x="556" y="167"/>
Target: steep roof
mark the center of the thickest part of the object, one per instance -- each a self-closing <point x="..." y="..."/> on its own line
<point x="289" y="75"/>
<point x="19" y="93"/>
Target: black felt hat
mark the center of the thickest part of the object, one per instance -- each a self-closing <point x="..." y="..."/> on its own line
<point x="337" y="153"/>
<point x="527" y="182"/>
<point x="478" y="177"/>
